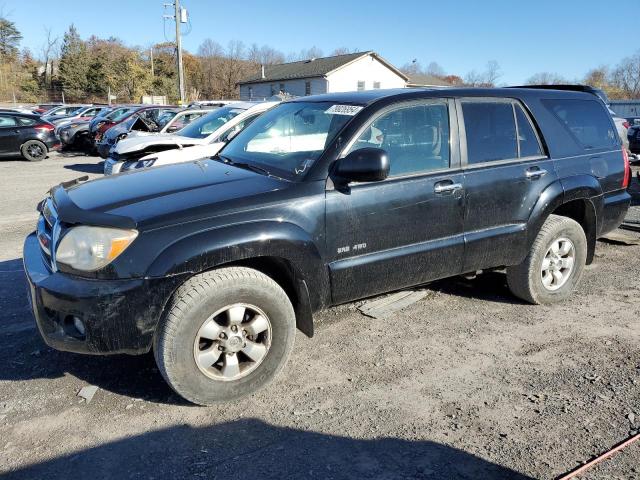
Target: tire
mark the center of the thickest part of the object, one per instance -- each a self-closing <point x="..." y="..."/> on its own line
<point x="527" y="280"/>
<point x="205" y="303"/>
<point x="34" y="150"/>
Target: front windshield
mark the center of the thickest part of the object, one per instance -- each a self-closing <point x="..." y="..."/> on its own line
<point x="205" y="126"/>
<point x="289" y="138"/>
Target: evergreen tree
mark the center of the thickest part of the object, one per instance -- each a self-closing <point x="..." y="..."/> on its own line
<point x="74" y="65"/>
<point x="10" y="38"/>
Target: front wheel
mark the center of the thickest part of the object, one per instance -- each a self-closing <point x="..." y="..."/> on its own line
<point x="226" y="334"/>
<point x="554" y="265"/>
<point x="34" y="150"/>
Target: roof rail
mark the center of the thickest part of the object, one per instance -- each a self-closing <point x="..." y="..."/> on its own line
<point x="571" y="88"/>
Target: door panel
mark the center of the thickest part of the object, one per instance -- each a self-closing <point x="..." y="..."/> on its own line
<point x="393" y="234"/>
<point x="499" y="201"/>
<point x="505" y="171"/>
<point x="9" y="135"/>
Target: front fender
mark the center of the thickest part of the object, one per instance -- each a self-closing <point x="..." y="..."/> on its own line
<point x="212" y="248"/>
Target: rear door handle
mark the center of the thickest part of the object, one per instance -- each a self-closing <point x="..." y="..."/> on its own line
<point x="443" y="187"/>
<point x="535" y="172"/>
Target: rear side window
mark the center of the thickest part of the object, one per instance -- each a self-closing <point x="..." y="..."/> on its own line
<point x="26" y="121"/>
<point x="586" y="121"/>
<point x="491" y="131"/>
<point x="6" y="121"/>
<point x="527" y="138"/>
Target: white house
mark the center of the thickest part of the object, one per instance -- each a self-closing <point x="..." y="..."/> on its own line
<point x="340" y="73"/>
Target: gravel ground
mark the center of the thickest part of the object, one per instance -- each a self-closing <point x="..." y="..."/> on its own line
<point x="467" y="383"/>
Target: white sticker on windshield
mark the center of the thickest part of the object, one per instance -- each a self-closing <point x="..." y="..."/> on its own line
<point x="350" y="110"/>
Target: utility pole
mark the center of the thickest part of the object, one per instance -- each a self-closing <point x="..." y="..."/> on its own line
<point x="151" y="55"/>
<point x="179" y="48"/>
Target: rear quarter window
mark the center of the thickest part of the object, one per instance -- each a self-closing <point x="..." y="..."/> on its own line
<point x="586" y="121"/>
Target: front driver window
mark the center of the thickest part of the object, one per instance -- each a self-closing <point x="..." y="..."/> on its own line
<point x="416" y="138"/>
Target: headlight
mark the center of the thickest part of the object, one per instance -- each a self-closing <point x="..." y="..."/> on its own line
<point x="92" y="248"/>
<point x="136" y="164"/>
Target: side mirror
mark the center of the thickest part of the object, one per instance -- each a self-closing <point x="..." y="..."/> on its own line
<point x="364" y="165"/>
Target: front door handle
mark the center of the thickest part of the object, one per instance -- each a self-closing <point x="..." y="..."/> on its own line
<point x="447" y="187"/>
<point x="535" y="172"/>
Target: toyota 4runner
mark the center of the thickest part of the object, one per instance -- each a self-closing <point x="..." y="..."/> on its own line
<point x="322" y="200"/>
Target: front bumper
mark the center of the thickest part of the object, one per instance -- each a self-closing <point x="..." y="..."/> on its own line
<point x="103" y="149"/>
<point x="119" y="316"/>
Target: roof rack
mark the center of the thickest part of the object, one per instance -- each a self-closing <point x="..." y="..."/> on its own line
<point x="571" y="88"/>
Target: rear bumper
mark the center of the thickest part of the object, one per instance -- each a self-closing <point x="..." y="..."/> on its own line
<point x="119" y="316"/>
<point x="614" y="210"/>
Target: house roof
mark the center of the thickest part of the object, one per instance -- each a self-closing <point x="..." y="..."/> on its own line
<point x="426" y="80"/>
<point x="318" y="67"/>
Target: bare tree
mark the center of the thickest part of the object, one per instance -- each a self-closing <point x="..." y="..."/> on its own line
<point x="546" y="78"/>
<point x="48" y="54"/>
<point x="492" y="73"/>
<point x="435" y="69"/>
<point x="626" y="76"/>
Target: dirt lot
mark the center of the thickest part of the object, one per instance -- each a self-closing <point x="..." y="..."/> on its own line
<point x="467" y="383"/>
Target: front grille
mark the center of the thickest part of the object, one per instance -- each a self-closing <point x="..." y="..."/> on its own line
<point x="48" y="233"/>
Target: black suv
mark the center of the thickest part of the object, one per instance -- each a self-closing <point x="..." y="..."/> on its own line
<point x="323" y="200"/>
<point x="26" y="135"/>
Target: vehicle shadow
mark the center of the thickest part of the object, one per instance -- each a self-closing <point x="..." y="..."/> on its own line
<point x="489" y="286"/>
<point x="250" y="448"/>
<point x="87" y="167"/>
<point x="26" y="357"/>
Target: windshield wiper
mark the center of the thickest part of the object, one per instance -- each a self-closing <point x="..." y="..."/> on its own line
<point x="245" y="165"/>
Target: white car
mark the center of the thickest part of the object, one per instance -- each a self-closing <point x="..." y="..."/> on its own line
<point x="202" y="138"/>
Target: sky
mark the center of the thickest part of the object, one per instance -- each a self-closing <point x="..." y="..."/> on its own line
<point x="567" y="37"/>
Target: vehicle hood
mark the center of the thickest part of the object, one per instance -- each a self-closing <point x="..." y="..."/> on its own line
<point x="160" y="141"/>
<point x="186" y="154"/>
<point x="163" y="196"/>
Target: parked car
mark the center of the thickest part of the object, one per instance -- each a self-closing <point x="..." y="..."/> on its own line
<point x="62" y="111"/>
<point x="18" y="109"/>
<point x="634" y="139"/>
<point x="84" y="113"/>
<point x="76" y="133"/>
<point x="147" y="116"/>
<point x="320" y="201"/>
<point x="169" y="122"/>
<point x="27" y="135"/>
<point x="633" y="121"/>
<point x="211" y="103"/>
<point x="45" y="107"/>
<point x="201" y="138"/>
<point x="118" y="113"/>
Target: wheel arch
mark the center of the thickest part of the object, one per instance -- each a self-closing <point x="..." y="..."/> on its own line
<point x="288" y="256"/>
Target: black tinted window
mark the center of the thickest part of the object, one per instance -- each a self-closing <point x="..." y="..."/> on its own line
<point x="491" y="131"/>
<point x="587" y="121"/>
<point x="415" y="138"/>
<point x="529" y="145"/>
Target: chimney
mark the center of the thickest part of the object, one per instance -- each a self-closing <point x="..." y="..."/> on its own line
<point x="262" y="71"/>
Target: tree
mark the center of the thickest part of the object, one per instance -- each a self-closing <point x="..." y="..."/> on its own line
<point x="546" y="78"/>
<point x="626" y="76"/>
<point x="435" y="69"/>
<point x="74" y="65"/>
<point x="47" y="56"/>
<point x="9" y="40"/>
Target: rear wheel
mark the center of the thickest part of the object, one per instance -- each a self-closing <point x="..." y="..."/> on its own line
<point x="554" y="265"/>
<point x="227" y="333"/>
<point x="34" y="150"/>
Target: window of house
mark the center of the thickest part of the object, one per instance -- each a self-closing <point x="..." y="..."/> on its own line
<point x="416" y="138"/>
<point x="360" y="85"/>
<point x="527" y="138"/>
<point x="307" y="88"/>
<point x="282" y="87"/>
<point x="491" y="131"/>
<point x="273" y="89"/>
<point x="587" y="122"/>
<point x="376" y="85"/>
<point x="250" y="93"/>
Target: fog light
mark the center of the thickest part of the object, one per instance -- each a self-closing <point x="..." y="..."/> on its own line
<point x="79" y="325"/>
